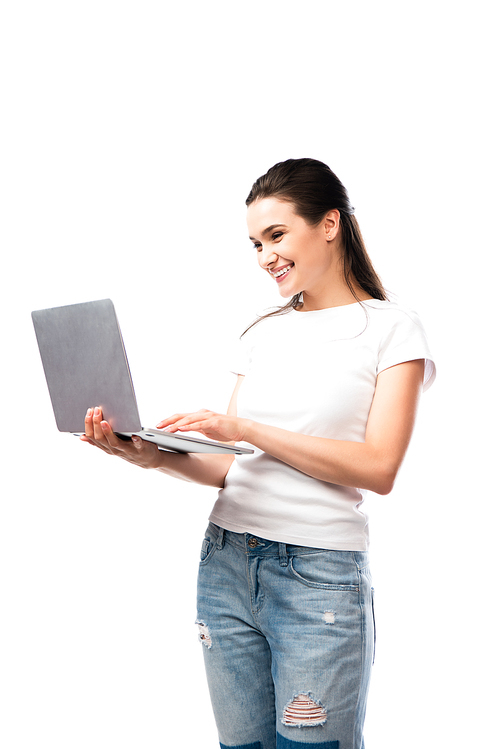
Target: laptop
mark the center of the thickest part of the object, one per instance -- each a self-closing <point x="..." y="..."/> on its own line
<point x="86" y="365"/>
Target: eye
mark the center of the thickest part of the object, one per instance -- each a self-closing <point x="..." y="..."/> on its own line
<point x="257" y="246"/>
<point x="277" y="235"/>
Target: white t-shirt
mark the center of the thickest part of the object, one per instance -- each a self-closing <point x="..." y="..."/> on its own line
<point x="313" y="373"/>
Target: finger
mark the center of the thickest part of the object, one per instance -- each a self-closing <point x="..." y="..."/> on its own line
<point x="170" y="420"/>
<point x="138" y="443"/>
<point x="176" y="418"/>
<point x="111" y="439"/>
<point x="117" y="445"/>
<point x="184" y="425"/>
<point x="90" y="435"/>
<point x="187" y="421"/>
<point x="104" y="435"/>
<point x="89" y="423"/>
<point x="97" y="424"/>
<point x="192" y="426"/>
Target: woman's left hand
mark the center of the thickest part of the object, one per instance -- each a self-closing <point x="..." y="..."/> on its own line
<point x="212" y="425"/>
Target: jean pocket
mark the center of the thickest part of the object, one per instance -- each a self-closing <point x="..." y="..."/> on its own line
<point x="205" y="548"/>
<point x="208" y="546"/>
<point x="324" y="570"/>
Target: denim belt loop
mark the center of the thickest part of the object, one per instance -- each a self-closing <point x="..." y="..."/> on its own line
<point x="283" y="555"/>
<point x="220" y="538"/>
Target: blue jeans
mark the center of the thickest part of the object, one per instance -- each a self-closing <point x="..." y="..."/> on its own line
<point x="288" y="641"/>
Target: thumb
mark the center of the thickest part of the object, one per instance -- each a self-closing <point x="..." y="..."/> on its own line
<point x="137" y="442"/>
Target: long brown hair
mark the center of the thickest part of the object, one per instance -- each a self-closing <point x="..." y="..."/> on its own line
<point x="314" y="190"/>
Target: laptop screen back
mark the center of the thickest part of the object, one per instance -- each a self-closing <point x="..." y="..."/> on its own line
<point x="86" y="365"/>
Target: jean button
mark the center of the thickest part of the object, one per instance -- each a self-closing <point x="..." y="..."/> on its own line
<point x="252" y="542"/>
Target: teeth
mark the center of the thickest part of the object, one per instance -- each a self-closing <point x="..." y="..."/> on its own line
<point x="282" y="272"/>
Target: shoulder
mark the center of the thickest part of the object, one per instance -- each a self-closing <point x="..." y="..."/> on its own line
<point x="387" y="319"/>
<point x="400" y="336"/>
<point x="387" y="313"/>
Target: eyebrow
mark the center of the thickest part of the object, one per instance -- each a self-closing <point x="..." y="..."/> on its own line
<point x="268" y="230"/>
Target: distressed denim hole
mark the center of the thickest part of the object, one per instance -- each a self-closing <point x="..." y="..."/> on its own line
<point x="329" y="617"/>
<point x="204" y="635"/>
<point x="304" y="711"/>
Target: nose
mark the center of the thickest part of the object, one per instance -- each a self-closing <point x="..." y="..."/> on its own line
<point x="267" y="257"/>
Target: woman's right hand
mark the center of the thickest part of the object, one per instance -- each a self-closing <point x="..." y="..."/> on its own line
<point x="98" y="432"/>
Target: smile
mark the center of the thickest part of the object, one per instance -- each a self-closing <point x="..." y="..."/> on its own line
<point x="281" y="272"/>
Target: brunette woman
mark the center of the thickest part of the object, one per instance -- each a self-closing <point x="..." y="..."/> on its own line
<point x="326" y="394"/>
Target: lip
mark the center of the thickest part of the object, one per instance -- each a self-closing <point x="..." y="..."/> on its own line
<point x="281" y="267"/>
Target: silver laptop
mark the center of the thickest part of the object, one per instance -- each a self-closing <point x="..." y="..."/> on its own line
<point x="86" y="365"/>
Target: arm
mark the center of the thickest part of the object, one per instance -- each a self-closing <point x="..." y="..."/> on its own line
<point x="203" y="468"/>
<point x="372" y="464"/>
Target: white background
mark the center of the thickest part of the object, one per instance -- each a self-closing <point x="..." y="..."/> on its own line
<point x="131" y="134"/>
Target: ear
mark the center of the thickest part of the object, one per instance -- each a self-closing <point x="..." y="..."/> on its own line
<point x="332" y="224"/>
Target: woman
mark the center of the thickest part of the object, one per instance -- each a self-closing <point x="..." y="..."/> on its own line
<point x="327" y="392"/>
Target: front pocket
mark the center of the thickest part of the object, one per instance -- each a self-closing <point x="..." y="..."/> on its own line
<point x="205" y="548"/>
<point x="208" y="547"/>
<point x="320" y="571"/>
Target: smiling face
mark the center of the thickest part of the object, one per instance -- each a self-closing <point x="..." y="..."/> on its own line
<point x="300" y="257"/>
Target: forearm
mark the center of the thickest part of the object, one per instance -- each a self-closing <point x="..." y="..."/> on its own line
<point x="202" y="468"/>
<point x="346" y="463"/>
<point x="372" y="464"/>
<point x="359" y="464"/>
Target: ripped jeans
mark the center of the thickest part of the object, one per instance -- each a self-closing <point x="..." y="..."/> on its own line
<point x="288" y="640"/>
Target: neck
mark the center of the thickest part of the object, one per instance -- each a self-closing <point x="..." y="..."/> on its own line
<point x="334" y="297"/>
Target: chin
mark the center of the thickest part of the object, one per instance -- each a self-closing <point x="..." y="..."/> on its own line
<point x="287" y="293"/>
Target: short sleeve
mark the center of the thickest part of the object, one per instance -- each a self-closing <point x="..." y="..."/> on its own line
<point x="405" y="340"/>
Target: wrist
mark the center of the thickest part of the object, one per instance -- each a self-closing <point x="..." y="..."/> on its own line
<point x="158" y="460"/>
<point x="248" y="431"/>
